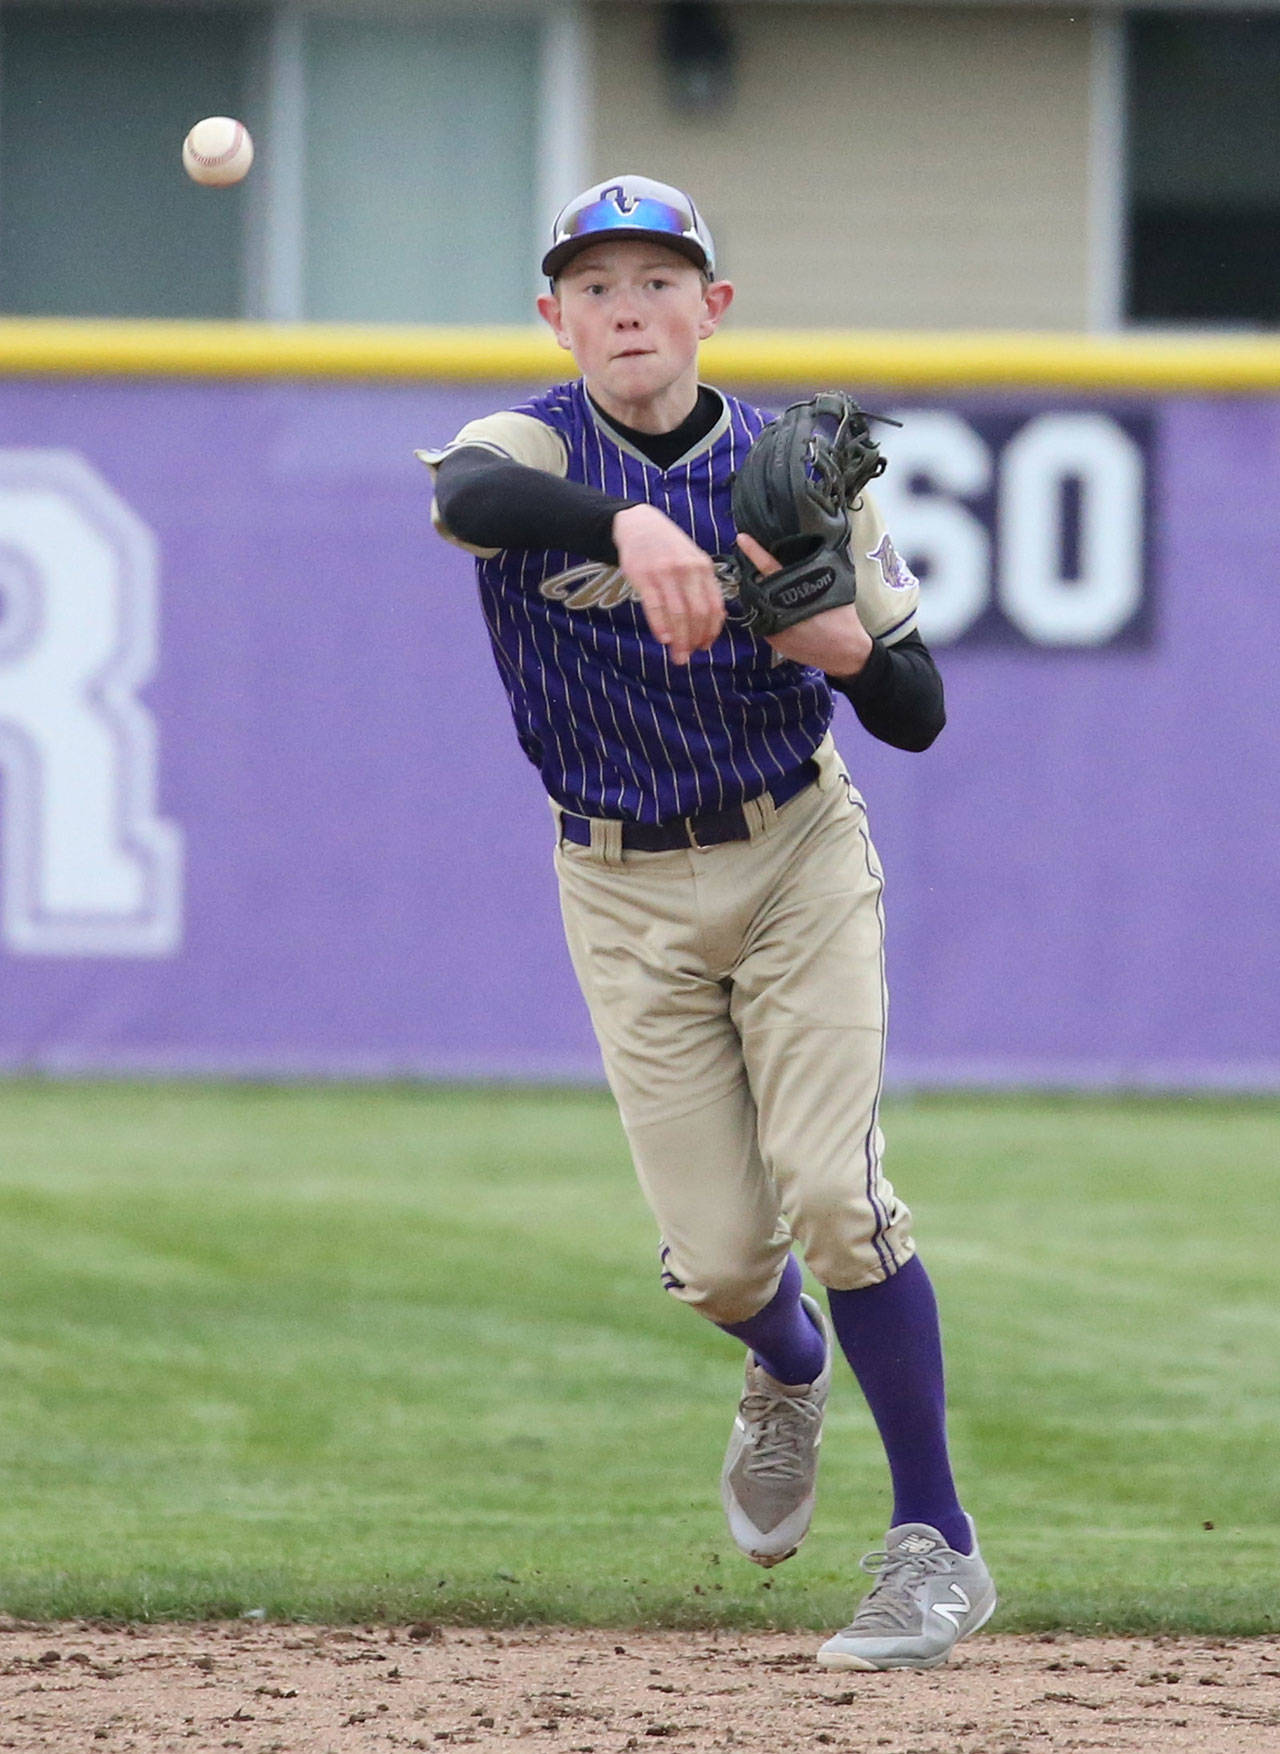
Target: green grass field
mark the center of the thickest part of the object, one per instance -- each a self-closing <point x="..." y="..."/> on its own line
<point x="399" y="1352"/>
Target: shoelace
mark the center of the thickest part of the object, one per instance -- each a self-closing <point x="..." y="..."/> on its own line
<point x="891" y="1606"/>
<point x="784" y="1423"/>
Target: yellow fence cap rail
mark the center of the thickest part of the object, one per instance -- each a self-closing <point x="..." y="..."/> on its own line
<point x="1137" y="362"/>
<point x="995" y="360"/>
<point x="64" y="347"/>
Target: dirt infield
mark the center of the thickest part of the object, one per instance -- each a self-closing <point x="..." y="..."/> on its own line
<point x="270" y="1689"/>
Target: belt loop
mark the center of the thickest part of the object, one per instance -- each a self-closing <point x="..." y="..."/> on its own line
<point x="692" y="833"/>
<point x="606" y="841"/>
<point x="761" y="814"/>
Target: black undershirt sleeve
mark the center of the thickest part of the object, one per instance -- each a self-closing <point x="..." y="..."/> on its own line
<point x="897" y="694"/>
<point x="490" y="502"/>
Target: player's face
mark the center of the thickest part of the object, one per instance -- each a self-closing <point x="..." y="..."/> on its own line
<point x="632" y="314"/>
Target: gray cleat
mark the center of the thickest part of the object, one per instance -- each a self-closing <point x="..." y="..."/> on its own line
<point x="769" y="1480"/>
<point x="926" y="1597"/>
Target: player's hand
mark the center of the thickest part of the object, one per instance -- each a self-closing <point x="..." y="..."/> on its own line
<point x="834" y="640"/>
<point x="673" y="578"/>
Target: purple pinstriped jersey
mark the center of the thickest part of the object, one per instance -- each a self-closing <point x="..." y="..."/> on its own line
<point x="614" y="727"/>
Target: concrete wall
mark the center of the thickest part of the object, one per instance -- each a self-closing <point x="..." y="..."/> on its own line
<point x="948" y="150"/>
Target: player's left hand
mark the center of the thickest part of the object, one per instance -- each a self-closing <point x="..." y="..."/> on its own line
<point x="834" y="641"/>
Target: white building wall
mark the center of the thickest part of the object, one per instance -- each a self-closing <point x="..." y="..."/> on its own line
<point x="902" y="167"/>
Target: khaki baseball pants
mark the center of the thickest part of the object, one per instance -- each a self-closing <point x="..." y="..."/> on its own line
<point x="739" y="999"/>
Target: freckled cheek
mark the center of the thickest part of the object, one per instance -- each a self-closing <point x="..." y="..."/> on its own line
<point x="590" y="342"/>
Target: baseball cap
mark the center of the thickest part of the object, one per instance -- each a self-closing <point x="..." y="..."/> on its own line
<point x="630" y="207"/>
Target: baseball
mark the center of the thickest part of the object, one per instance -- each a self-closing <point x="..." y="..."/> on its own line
<point x="217" y="151"/>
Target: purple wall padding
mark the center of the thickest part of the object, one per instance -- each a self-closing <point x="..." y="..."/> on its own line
<point x="1082" y="874"/>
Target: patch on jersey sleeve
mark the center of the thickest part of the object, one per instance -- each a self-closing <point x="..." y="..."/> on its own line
<point x="894" y="570"/>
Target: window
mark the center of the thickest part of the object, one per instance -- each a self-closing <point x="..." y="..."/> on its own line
<point x="1204" y="168"/>
<point x="96" y="217"/>
<point x="395" y="177"/>
<point x="419" y="186"/>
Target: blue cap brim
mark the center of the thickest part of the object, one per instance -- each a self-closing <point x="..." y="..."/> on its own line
<point x="556" y="257"/>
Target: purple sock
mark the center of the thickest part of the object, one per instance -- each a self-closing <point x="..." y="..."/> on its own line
<point x="782" y="1334"/>
<point x="889" y="1333"/>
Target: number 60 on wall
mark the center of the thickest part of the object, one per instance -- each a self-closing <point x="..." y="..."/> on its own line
<point x="1028" y="530"/>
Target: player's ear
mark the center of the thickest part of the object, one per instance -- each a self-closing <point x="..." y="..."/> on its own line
<point x="549" y="311"/>
<point x="716" y="299"/>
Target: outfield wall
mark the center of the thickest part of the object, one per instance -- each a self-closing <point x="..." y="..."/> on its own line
<point x="262" y="811"/>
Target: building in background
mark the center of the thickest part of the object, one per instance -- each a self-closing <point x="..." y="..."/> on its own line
<point x="866" y="165"/>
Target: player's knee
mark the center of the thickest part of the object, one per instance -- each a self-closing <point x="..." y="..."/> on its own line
<point x="722" y="1291"/>
<point x="729" y="1300"/>
<point x="848" y="1243"/>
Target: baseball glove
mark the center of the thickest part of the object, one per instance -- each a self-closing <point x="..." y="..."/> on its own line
<point x="793" y="494"/>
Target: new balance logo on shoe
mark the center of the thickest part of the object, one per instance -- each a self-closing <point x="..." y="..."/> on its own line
<point x="954" y="1611"/>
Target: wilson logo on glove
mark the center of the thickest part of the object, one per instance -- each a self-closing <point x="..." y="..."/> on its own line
<point x="805" y="589"/>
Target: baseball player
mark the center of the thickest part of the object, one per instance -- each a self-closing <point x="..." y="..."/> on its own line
<point x="720" y="893"/>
